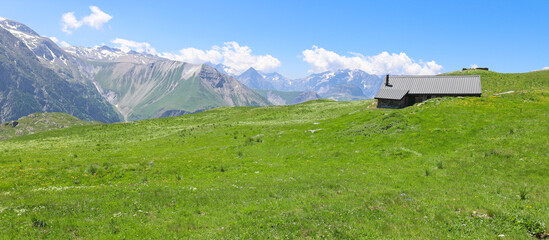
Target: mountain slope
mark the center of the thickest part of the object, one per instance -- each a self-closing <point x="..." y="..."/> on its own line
<point x="50" y="55"/>
<point x="286" y="98"/>
<point x="106" y="84"/>
<point x="28" y="86"/>
<point x="169" y="88"/>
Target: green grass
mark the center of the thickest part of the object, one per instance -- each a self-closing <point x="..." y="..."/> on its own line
<point x="39" y="122"/>
<point x="450" y="168"/>
<point x="494" y="82"/>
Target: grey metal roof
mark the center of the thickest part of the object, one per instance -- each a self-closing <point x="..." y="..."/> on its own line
<point x="451" y="85"/>
<point x="395" y="94"/>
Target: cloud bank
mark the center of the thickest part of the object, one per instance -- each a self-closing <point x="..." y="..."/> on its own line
<point x="322" y="60"/>
<point x="96" y="20"/>
<point x="237" y="58"/>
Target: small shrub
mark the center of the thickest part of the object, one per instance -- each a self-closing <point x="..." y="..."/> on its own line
<point x="523" y="193"/>
<point x="38" y="223"/>
<point x="534" y="227"/>
<point x="92" y="169"/>
<point x="106" y="165"/>
<point x="427" y="173"/>
<point x="440" y="165"/>
<point x="144" y="179"/>
<point x="178" y="177"/>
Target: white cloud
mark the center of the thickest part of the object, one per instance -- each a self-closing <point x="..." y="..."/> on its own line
<point x="473" y="66"/>
<point x="321" y="60"/>
<point x="240" y="58"/>
<point x="95" y="20"/>
<point x="194" y="55"/>
<point x="237" y="58"/>
<point x="128" y="45"/>
<point x="70" y="22"/>
<point x="545" y="68"/>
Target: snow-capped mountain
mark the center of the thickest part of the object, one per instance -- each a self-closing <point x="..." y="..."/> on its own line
<point x="103" y="83"/>
<point x="252" y="78"/>
<point x="46" y="51"/>
<point x="329" y="84"/>
<point x="221" y="68"/>
<point x="272" y="81"/>
<point x="339" y="85"/>
<point x="278" y="81"/>
<point x="108" y="54"/>
<point x="37" y="76"/>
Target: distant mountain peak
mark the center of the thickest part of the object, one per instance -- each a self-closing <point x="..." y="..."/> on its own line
<point x="110" y="54"/>
<point x="220" y="67"/>
<point x="105" y="47"/>
<point x="254" y="79"/>
<point x="252" y="72"/>
<point x="11" y="25"/>
<point x="251" y="69"/>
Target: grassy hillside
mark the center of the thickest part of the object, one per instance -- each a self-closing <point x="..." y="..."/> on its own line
<point x="39" y="122"/>
<point x="470" y="168"/>
<point x="494" y="82"/>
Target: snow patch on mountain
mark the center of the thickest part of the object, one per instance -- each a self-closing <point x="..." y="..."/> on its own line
<point x="190" y="70"/>
<point x="108" y="54"/>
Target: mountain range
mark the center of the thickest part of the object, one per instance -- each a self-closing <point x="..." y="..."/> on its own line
<point x="341" y="85"/>
<point x="107" y="84"/>
<point x="37" y="76"/>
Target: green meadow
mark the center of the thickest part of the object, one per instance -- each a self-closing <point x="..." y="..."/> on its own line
<point x="449" y="168"/>
<point x="39" y="122"/>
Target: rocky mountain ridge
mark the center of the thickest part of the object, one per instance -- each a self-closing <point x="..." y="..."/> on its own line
<point x="105" y="84"/>
<point x="31" y="83"/>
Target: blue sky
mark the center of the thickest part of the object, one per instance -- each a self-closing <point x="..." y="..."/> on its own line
<point x="296" y="38"/>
